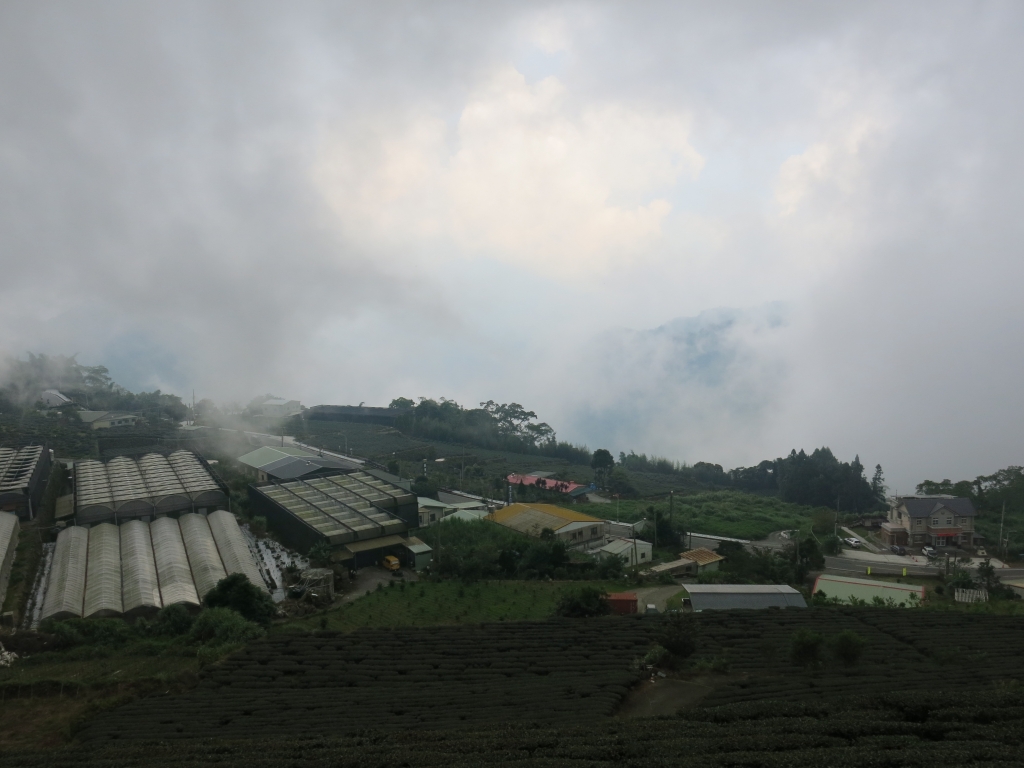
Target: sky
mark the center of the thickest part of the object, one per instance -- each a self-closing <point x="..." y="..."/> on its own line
<point x="707" y="231"/>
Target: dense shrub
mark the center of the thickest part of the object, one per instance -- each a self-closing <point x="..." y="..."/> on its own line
<point x="805" y="647"/>
<point x="847" y="647"/>
<point x="678" y="635"/>
<point x="583" y="602"/>
<point x="172" y="621"/>
<point x="223" y="625"/>
<point x="241" y="595"/>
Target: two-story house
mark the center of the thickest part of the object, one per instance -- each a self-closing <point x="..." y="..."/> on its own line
<point x="938" y="521"/>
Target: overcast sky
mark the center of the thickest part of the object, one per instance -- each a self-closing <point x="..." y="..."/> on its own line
<point x="711" y="231"/>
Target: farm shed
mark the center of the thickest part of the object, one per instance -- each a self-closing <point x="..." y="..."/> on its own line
<point x="270" y="463"/>
<point x="848" y="588"/>
<point x="65" y="589"/>
<point x="702" y="559"/>
<point x="422" y="554"/>
<point x="152" y="486"/>
<point x="338" y="509"/>
<point x="139" y="567"/>
<point x="724" y="597"/>
<point x="573" y="528"/>
<point x="23" y="476"/>
<point x="9" y="529"/>
<point x="622" y="603"/>
<point x="632" y="552"/>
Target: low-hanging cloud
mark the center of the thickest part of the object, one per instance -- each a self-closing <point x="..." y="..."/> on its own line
<point x="346" y="203"/>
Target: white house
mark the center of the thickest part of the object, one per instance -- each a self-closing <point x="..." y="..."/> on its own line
<point x="631" y="551"/>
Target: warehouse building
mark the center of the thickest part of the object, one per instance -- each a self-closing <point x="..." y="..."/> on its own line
<point x="108" y="419"/>
<point x="356" y="514"/>
<point x="23" y="476"/>
<point x="9" y="529"/>
<point x="138" y="567"/>
<point x="271" y="463"/>
<point x="725" y="597"/>
<point x="853" y="590"/>
<point x="154" y="485"/>
<point x="573" y="528"/>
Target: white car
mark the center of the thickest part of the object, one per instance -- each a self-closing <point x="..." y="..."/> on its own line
<point x="855" y="543"/>
<point x="929" y="552"/>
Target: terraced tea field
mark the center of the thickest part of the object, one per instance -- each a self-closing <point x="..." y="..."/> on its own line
<point x="555" y="672"/>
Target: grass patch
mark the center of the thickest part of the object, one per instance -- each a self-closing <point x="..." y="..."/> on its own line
<point x="675" y="603"/>
<point x="444" y="603"/>
<point x="719" y="513"/>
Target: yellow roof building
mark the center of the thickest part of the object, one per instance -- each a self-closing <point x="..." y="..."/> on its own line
<point x="531" y="519"/>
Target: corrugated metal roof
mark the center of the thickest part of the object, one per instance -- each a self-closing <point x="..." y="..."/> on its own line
<point x="721" y="597"/>
<point x="371" y="544"/>
<point x="701" y="556"/>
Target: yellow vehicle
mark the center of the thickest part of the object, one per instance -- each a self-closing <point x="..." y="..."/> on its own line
<point x="391" y="563"/>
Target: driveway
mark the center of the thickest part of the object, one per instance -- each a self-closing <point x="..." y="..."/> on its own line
<point x="367" y="579"/>
<point x="657" y="595"/>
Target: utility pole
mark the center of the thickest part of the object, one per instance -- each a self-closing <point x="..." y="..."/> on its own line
<point x="1001" y="519"/>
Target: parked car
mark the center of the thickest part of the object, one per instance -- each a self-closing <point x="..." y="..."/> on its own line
<point x="929" y="552"/>
<point x="898" y="550"/>
<point x="855" y="543"/>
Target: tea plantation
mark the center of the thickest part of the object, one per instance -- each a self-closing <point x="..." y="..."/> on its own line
<point x="931" y="688"/>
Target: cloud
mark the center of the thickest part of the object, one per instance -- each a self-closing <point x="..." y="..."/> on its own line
<point x="525" y="177"/>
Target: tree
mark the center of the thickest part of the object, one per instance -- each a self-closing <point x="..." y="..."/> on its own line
<point x="241" y="595"/>
<point x="401" y="403"/>
<point x="678" y="635"/>
<point x="833" y="545"/>
<point x="878" y="484"/>
<point x="601" y="462"/>
<point x="320" y="555"/>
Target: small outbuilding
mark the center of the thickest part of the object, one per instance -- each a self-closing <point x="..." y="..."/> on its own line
<point x="702" y="559"/>
<point x="725" y="597"/>
<point x="622" y="603"/>
<point x="631" y="552"/>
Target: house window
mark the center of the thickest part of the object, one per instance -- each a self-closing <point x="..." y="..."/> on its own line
<point x="935" y="521"/>
<point x="949" y="521"/>
<point x="593" y="531"/>
<point x="643" y="555"/>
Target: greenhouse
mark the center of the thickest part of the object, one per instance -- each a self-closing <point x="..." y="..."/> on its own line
<point x="173" y="572"/>
<point x="207" y="567"/>
<point x="233" y="548"/>
<point x="139" y="567"/>
<point x="9" y="528"/>
<point x="140" y="585"/>
<point x="23" y="475"/>
<point x="65" y="589"/>
<point x="337" y="509"/>
<point x="103" y="574"/>
<point x="153" y="485"/>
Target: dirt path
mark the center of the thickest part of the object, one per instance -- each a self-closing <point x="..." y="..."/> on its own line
<point x="665" y="696"/>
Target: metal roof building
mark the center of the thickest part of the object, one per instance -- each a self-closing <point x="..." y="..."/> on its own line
<point x="573" y="528"/>
<point x="270" y="463"/>
<point x="337" y="509"/>
<point x="154" y="485"/>
<point x="9" y="529"/>
<point x="724" y="597"/>
<point x="850" y="589"/>
<point x="139" y="567"/>
<point x="23" y="476"/>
